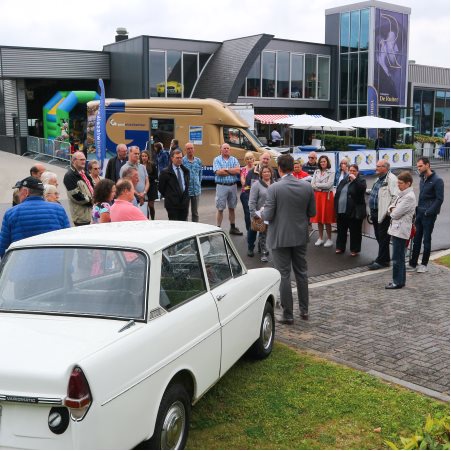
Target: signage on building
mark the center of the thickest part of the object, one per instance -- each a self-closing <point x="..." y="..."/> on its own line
<point x="195" y="134"/>
<point x="390" y="58"/>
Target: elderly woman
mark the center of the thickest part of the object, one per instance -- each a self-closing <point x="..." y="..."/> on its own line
<point x="49" y="178"/>
<point x="51" y="193"/>
<point x="350" y="210"/>
<point x="257" y="199"/>
<point x="322" y="184"/>
<point x="401" y="212"/>
<point x="342" y="171"/>
<point x="94" y="171"/>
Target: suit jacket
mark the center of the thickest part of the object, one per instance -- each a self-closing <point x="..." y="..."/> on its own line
<point x="110" y="171"/>
<point x="289" y="205"/>
<point x="169" y="187"/>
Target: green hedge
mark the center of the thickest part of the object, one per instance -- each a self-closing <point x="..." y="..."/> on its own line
<point x="334" y="142"/>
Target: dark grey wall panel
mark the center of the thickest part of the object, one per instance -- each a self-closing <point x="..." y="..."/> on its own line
<point x="22" y="107"/>
<point x="2" y="110"/>
<point x="298" y="106"/>
<point x="11" y="108"/>
<point x="48" y="63"/>
<point x="127" y="69"/>
<point x="184" y="45"/>
<point x="332" y="31"/>
<point x="224" y="75"/>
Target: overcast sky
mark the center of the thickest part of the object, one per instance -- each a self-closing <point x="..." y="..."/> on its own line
<point x="90" y="24"/>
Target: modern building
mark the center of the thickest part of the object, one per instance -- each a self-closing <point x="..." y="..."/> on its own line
<point x="361" y="69"/>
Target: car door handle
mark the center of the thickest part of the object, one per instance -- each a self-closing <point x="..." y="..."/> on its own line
<point x="220" y="296"/>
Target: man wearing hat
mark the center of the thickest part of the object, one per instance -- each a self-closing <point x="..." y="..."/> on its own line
<point x="32" y="216"/>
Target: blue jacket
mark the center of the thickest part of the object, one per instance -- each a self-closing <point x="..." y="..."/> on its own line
<point x="32" y="217"/>
<point x="431" y="196"/>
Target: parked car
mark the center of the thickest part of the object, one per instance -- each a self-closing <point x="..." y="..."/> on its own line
<point x="111" y="332"/>
<point x="172" y="88"/>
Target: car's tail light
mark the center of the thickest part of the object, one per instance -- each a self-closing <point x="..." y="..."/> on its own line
<point x="78" y="398"/>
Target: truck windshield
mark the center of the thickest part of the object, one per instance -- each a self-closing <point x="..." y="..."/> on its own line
<point x="75" y="281"/>
<point x="236" y="137"/>
<point x="252" y="135"/>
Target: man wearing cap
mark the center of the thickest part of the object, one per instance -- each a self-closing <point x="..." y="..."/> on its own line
<point x="79" y="186"/>
<point x="31" y="217"/>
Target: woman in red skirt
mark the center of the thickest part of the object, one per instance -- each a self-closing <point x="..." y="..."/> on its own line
<point x="322" y="184"/>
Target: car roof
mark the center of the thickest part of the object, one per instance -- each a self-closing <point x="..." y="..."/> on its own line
<point x="150" y="236"/>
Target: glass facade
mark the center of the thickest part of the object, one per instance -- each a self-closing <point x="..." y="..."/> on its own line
<point x="430" y="112"/>
<point x="288" y="75"/>
<point x="173" y="73"/>
<point x="353" y="80"/>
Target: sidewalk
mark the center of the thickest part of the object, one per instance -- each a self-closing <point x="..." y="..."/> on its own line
<point x="401" y="336"/>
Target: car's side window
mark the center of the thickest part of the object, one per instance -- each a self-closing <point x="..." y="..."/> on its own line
<point x="216" y="259"/>
<point x="181" y="274"/>
<point x="237" y="270"/>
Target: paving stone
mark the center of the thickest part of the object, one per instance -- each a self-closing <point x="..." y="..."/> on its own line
<point x="360" y="323"/>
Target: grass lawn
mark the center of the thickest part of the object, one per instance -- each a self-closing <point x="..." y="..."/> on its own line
<point x="294" y="400"/>
<point x="443" y="261"/>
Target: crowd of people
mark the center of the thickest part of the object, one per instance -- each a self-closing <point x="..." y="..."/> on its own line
<point x="288" y="200"/>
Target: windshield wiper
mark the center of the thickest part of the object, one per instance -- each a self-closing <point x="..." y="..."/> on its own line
<point x="131" y="323"/>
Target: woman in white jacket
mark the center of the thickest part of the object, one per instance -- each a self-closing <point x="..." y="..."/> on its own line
<point x="401" y="211"/>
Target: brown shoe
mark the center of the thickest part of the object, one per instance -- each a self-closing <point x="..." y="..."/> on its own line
<point x="304" y="316"/>
<point x="283" y="320"/>
<point x="235" y="231"/>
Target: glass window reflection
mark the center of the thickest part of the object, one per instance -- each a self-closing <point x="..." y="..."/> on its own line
<point x="310" y="76"/>
<point x="344" y="32"/>
<point x="269" y="74"/>
<point x="364" y="28"/>
<point x="157" y="75"/>
<point x="355" y="28"/>
<point x="297" y="76"/>
<point x="283" y="73"/>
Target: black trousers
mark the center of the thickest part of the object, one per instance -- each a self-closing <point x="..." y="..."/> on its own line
<point x="177" y="214"/>
<point x="382" y="237"/>
<point x="345" y="223"/>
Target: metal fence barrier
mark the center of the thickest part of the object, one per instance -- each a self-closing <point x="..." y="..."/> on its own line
<point x="53" y="149"/>
<point x="437" y="153"/>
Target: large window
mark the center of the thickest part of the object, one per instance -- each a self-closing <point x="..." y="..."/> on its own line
<point x="268" y="74"/>
<point x="310" y="76"/>
<point x="253" y="79"/>
<point x="323" y="77"/>
<point x="353" y="77"/>
<point x="288" y="75"/>
<point x="173" y="73"/>
<point x="355" y="28"/>
<point x="283" y="73"/>
<point x="364" y="28"/>
<point x="344" y="32"/>
<point x="297" y="76"/>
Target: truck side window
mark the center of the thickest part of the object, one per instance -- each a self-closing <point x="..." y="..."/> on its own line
<point x="236" y="138"/>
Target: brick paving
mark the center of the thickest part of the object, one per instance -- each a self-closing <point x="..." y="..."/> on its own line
<point x="403" y="334"/>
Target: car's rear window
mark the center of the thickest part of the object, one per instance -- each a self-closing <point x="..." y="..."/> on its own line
<point x="75" y="281"/>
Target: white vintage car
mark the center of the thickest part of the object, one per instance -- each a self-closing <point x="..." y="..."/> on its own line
<point x="109" y="333"/>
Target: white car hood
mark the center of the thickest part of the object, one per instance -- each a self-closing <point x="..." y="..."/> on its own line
<point x="38" y="352"/>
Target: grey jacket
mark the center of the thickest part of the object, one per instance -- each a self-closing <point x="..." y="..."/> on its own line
<point x="401" y="212"/>
<point x="289" y="205"/>
<point x="257" y="197"/>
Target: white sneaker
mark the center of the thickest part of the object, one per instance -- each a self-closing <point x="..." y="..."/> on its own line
<point x="318" y="242"/>
<point x="328" y="243"/>
<point x="411" y="268"/>
<point x="422" y="268"/>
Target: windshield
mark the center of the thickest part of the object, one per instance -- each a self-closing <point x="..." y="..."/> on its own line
<point x="75" y="281"/>
<point x="251" y="134"/>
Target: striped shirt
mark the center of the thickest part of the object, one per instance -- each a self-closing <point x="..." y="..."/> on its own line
<point x="221" y="163"/>
<point x="374" y="195"/>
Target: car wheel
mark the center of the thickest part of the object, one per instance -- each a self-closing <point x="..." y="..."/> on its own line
<point x="264" y="344"/>
<point x="171" y="428"/>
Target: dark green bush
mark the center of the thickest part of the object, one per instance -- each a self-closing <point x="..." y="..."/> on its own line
<point x="334" y="142"/>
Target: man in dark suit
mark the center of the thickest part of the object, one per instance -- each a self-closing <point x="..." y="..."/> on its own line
<point x="173" y="185"/>
<point x="114" y="166"/>
<point x="289" y="206"/>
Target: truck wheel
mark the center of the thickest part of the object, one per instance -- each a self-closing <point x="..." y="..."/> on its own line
<point x="264" y="344"/>
<point x="172" y="425"/>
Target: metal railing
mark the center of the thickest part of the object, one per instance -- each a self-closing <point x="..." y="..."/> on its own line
<point x="53" y="149"/>
<point x="437" y="153"/>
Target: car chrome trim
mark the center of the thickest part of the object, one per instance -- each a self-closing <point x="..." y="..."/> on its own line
<point x="212" y="331"/>
<point x="31" y="400"/>
<point x="155" y="313"/>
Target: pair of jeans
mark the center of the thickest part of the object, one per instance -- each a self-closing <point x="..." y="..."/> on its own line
<point x="382" y="237"/>
<point x="399" y="261"/>
<point x="244" y="198"/>
<point x="424" y="226"/>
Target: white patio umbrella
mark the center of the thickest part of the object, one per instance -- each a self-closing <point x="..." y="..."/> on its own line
<point x="373" y="122"/>
<point x="315" y="122"/>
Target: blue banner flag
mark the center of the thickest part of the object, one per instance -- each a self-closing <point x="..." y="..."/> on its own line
<point x="100" y="134"/>
<point x="372" y="109"/>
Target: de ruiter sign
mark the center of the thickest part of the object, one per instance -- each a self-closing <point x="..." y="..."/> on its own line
<point x="390" y="57"/>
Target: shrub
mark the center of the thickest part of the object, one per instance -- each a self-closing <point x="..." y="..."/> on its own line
<point x="334" y="142"/>
<point x="433" y="435"/>
<point x="404" y="146"/>
<point x="423" y="139"/>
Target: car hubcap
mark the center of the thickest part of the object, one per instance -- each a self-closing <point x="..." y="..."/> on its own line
<point x="173" y="426"/>
<point x="267" y="331"/>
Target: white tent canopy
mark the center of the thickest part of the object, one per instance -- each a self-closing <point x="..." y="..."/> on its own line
<point x="370" y="122"/>
<point x="314" y="122"/>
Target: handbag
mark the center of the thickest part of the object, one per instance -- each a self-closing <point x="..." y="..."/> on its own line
<point x="258" y="225"/>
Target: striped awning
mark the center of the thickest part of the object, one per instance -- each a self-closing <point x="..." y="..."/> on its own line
<point x="269" y="118"/>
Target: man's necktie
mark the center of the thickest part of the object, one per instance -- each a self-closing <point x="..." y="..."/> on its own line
<point x="179" y="177"/>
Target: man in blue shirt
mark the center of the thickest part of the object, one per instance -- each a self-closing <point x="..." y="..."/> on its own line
<point x="31" y="217"/>
<point x="429" y="202"/>
<point x="226" y="169"/>
<point x="194" y="166"/>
